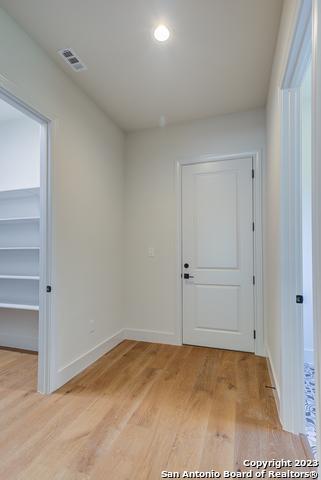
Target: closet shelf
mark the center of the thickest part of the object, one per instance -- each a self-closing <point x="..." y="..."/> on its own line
<point x="19" y="248"/>
<point x="19" y="193"/>
<point x="4" y="221"/>
<point x="18" y="306"/>
<point x="19" y="264"/>
<point x="19" y="277"/>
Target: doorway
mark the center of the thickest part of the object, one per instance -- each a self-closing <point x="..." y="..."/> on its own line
<point x="24" y="247"/>
<point x="217" y="254"/>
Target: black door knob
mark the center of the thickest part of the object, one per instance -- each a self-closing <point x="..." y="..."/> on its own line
<point x="186" y="265"/>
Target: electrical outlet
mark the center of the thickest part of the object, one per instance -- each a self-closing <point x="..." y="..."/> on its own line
<point x="151" y="251"/>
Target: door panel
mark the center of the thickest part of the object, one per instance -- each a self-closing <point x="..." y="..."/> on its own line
<point x="217" y="307"/>
<point x="218" y="246"/>
<point x="216" y="234"/>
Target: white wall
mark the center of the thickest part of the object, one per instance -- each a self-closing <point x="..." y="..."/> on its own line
<point x="272" y="182"/>
<point x="20" y="154"/>
<point x="151" y="211"/>
<point x="87" y="180"/>
<point x="19" y="329"/>
<point x="306" y="144"/>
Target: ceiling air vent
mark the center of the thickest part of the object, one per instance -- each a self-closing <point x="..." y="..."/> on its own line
<point x="72" y="59"/>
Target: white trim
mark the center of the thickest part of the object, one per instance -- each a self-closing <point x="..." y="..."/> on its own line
<point x="292" y="362"/>
<point x="258" y="238"/>
<point x="292" y="349"/>
<point x="19" y="341"/>
<point x="46" y="349"/>
<point x="300" y="50"/>
<point x="45" y="340"/>
<point x="274" y="382"/>
<point x="194" y="159"/>
<point x="153" y="336"/>
<point x="258" y="255"/>
<point x="75" y="367"/>
<point x="316" y="204"/>
<point x="179" y="247"/>
<point x="19" y="104"/>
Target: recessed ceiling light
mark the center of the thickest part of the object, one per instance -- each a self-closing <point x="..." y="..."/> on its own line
<point x="162" y="33"/>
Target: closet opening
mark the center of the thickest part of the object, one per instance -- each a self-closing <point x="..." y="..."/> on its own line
<point x="24" y="302"/>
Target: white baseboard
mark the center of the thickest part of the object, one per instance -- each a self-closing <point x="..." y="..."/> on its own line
<point x="275" y="384"/>
<point x="152" y="336"/>
<point x="69" y="371"/>
<point x="19" y="341"/>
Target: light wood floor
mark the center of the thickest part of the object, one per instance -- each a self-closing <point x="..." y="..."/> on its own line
<point x="140" y="409"/>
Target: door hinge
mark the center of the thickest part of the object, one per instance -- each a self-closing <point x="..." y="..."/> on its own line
<point x="253" y="279"/>
<point x="253" y="227"/>
<point x="48" y="289"/>
<point x="254" y="334"/>
<point x="253" y="173"/>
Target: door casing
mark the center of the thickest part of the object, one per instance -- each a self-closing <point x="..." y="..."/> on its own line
<point x="258" y="245"/>
<point x="45" y="343"/>
<point x="308" y="11"/>
<point x="316" y="203"/>
<point x="292" y="350"/>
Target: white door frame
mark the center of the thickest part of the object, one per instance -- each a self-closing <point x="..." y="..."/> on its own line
<point x="292" y="363"/>
<point x="316" y="203"/>
<point x="258" y="238"/>
<point x="292" y="355"/>
<point x="45" y="342"/>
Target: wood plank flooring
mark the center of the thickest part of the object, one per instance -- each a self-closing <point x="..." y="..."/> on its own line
<point x="140" y="409"/>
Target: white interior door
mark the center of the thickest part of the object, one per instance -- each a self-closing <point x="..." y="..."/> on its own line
<point x="217" y="227"/>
